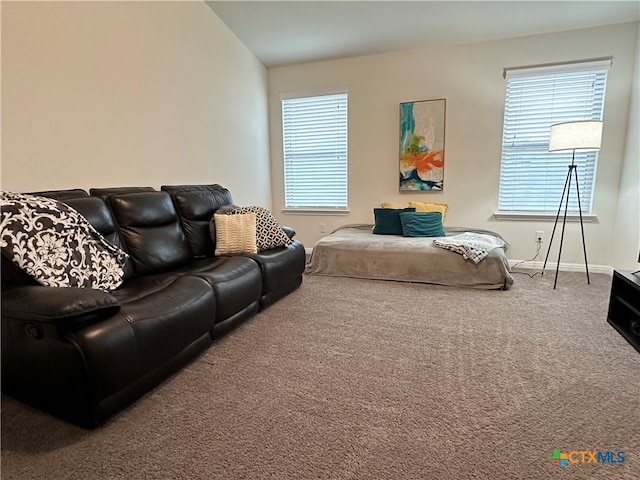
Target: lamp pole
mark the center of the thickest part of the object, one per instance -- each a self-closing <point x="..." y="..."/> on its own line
<point x="573" y="169"/>
<point x="583" y="135"/>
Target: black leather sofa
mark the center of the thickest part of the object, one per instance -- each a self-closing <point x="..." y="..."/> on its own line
<point x="83" y="354"/>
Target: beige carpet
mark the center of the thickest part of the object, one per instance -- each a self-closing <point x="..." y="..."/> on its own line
<point x="358" y="379"/>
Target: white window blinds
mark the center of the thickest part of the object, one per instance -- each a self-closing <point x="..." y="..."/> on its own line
<point x="532" y="178"/>
<point x="315" y="151"/>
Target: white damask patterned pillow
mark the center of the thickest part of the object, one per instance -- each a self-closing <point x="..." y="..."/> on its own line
<point x="56" y="245"/>
<point x="269" y="233"/>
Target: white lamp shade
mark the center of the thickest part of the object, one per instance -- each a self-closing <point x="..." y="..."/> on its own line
<point x="583" y="135"/>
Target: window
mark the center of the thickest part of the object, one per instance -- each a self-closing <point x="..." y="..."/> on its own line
<point x="315" y="152"/>
<point x="531" y="178"/>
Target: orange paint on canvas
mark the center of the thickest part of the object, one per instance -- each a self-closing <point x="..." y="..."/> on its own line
<point x="424" y="162"/>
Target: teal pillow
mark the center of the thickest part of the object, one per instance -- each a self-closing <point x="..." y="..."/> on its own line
<point x="387" y="220"/>
<point x="422" y="224"/>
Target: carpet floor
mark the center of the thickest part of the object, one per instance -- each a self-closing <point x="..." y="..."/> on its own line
<point x="359" y="379"/>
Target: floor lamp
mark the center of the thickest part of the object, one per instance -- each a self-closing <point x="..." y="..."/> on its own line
<point x="582" y="135"/>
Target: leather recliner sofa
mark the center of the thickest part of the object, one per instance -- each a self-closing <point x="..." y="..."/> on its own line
<point x="83" y="354"/>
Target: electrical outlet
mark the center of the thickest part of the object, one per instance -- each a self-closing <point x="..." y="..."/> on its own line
<point x="323" y="227"/>
<point x="539" y="236"/>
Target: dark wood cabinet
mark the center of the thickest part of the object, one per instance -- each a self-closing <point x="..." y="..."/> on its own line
<point x="624" y="306"/>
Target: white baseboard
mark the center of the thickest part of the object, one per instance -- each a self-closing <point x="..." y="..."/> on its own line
<point x="565" y="267"/>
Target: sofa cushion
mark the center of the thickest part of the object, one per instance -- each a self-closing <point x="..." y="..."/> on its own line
<point x="56" y="245"/>
<point x="97" y="212"/>
<point x="62" y="194"/>
<point x="105" y="192"/>
<point x="152" y="327"/>
<point x="151" y="231"/>
<point x="196" y="209"/>
<point x="211" y="187"/>
<point x="236" y="282"/>
<point x="94" y="209"/>
<point x="281" y="271"/>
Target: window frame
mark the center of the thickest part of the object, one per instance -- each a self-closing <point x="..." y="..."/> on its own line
<point x="552" y="161"/>
<point x="317" y="209"/>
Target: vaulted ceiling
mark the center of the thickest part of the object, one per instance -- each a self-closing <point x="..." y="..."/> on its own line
<point x="289" y="32"/>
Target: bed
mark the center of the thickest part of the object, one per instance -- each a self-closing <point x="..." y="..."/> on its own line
<point x="354" y="251"/>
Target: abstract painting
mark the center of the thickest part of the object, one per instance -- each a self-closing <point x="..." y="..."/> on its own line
<point x="422" y="145"/>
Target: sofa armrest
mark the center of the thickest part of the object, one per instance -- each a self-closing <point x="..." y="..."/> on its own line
<point x="57" y="306"/>
<point x="289" y="231"/>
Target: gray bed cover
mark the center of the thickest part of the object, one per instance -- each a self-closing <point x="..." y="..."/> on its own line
<point x="354" y="251"/>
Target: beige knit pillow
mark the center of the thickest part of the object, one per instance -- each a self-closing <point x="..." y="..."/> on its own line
<point x="235" y="234"/>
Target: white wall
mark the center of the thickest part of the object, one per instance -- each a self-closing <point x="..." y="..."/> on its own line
<point x="470" y="78"/>
<point x="98" y="94"/>
<point x="626" y="240"/>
